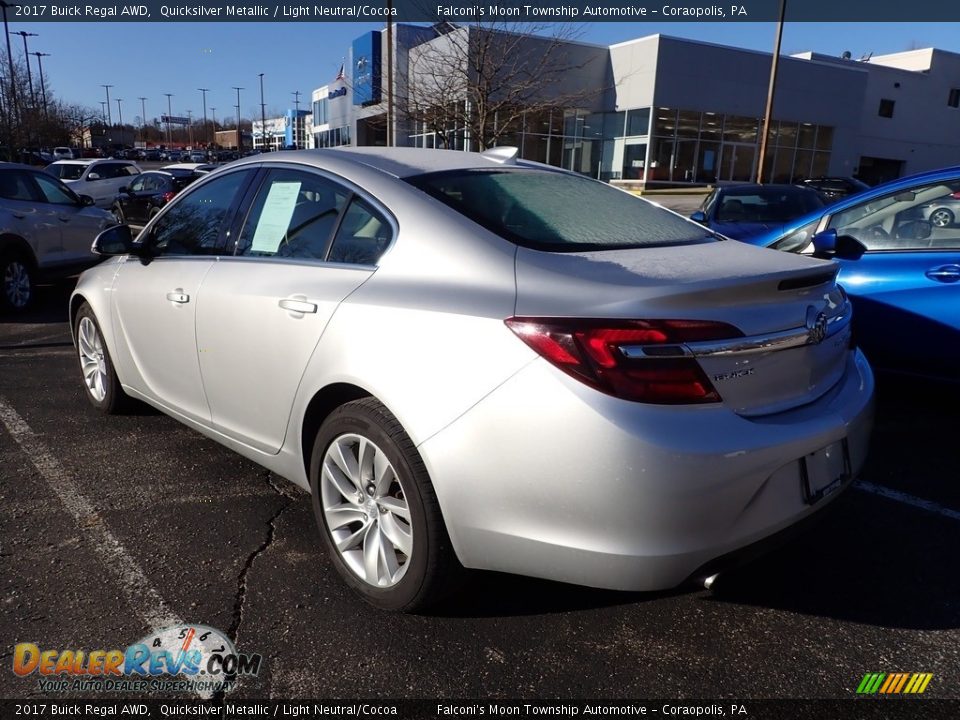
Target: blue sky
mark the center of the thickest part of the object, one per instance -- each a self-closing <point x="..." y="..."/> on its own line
<point x="150" y="59"/>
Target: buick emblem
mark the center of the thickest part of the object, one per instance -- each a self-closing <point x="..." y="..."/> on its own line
<point x="816" y="326"/>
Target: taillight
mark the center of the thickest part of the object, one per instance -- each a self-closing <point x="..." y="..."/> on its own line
<point x="592" y="352"/>
<point x="168" y="196"/>
<point x="955" y="195"/>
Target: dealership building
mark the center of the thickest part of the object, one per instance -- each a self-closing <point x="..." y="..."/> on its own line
<point x="664" y="111"/>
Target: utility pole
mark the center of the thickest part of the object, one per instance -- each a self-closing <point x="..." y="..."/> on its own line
<point x="239" y="135"/>
<point x="263" y="118"/>
<point x="143" y="117"/>
<point x="190" y="126"/>
<point x="109" y="116"/>
<point x="169" y="114"/>
<point x="206" y="141"/>
<point x="390" y="128"/>
<point x="768" y="113"/>
<point x="120" y="115"/>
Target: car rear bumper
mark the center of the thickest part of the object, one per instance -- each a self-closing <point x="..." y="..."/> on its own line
<point x="580" y="487"/>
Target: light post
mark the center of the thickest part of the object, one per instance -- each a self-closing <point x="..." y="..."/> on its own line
<point x="771" y="89"/>
<point x="204" y="91"/>
<point x="296" y="118"/>
<point x="169" y="114"/>
<point x="43" y="83"/>
<point x="190" y="127"/>
<point x="239" y="135"/>
<point x="26" y="54"/>
<point x="143" y="117"/>
<point x="109" y="116"/>
<point x="120" y="115"/>
<point x="263" y="118"/>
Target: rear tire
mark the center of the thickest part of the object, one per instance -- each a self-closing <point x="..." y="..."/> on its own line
<point x="941" y="217"/>
<point x="377" y="510"/>
<point x="17" y="282"/>
<point x="118" y="214"/>
<point x="100" y="381"/>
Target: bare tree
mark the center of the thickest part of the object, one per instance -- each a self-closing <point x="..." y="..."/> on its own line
<point x="485" y="76"/>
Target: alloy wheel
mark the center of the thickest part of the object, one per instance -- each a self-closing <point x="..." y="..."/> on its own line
<point x="366" y="511"/>
<point x="16" y="284"/>
<point x="92" y="362"/>
<point x="941" y="218"/>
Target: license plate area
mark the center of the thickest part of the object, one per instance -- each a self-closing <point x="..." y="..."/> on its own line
<point x="824" y="471"/>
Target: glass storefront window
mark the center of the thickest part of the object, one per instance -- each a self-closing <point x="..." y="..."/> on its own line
<point x="634" y="158"/>
<point x="613" y="124"/>
<point x="740" y="129"/>
<point x="688" y="124"/>
<point x="638" y="122"/>
<point x="665" y="122"/>
<point x="824" y="137"/>
<point x="806" y="135"/>
<point x="787" y="137"/>
<point x="821" y="161"/>
<point x="711" y="127"/>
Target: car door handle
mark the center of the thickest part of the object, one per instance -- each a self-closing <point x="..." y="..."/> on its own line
<point x="300" y="306"/>
<point x="62" y="218"/>
<point x="178" y="296"/>
<point x="18" y="216"/>
<point x="944" y="273"/>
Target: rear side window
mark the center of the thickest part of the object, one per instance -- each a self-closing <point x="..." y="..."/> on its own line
<point x="14" y="185"/>
<point x="363" y="235"/>
<point x="293" y="216"/>
<point x="558" y="212"/>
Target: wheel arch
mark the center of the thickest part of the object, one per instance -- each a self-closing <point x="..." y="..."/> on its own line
<point x="324" y="402"/>
<point x="10" y="241"/>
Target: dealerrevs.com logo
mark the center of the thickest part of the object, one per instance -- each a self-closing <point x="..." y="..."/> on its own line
<point x="894" y="683"/>
<point x="180" y="658"/>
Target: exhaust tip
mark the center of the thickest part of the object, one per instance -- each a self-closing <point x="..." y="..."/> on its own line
<point x="710" y="580"/>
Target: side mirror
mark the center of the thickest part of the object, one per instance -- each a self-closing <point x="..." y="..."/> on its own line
<point x="86" y="201"/>
<point x="117" y="240"/>
<point x="699" y="217"/>
<point x="828" y="244"/>
<point x="93" y="176"/>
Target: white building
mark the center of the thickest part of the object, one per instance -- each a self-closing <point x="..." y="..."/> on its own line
<point x="670" y="111"/>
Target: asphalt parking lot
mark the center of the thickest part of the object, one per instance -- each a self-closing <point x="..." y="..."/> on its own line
<point x="114" y="524"/>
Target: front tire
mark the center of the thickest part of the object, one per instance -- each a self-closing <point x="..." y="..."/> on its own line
<point x="377" y="510"/>
<point x="118" y="214"/>
<point x="17" y="284"/>
<point x="100" y="381"/>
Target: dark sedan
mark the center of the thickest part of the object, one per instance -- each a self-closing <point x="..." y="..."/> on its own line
<point x="832" y="189"/>
<point x="150" y="191"/>
<point x="743" y="211"/>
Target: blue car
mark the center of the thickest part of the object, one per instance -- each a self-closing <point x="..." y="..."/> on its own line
<point x="744" y="211"/>
<point x="899" y="257"/>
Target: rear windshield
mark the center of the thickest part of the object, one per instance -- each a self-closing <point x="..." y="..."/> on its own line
<point x="67" y="171"/>
<point x="557" y="212"/>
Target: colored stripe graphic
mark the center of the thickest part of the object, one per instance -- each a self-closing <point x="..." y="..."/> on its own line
<point x="894" y="683"/>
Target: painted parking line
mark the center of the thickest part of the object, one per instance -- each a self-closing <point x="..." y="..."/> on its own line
<point x="129" y="576"/>
<point x="906" y="499"/>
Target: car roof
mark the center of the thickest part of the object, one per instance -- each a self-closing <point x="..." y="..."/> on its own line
<point x="398" y="162"/>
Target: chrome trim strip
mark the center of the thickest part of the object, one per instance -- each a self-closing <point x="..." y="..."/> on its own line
<point x="770" y="342"/>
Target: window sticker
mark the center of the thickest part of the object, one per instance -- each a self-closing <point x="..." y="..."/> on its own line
<point x="275" y="216"/>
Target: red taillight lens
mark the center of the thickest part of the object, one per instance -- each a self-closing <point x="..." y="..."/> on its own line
<point x="592" y="352"/>
<point x="955" y="195"/>
<point x="168" y="196"/>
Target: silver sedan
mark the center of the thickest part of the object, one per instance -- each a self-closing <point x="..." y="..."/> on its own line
<point x="473" y="361"/>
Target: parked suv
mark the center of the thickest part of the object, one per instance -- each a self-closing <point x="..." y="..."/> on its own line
<point x="100" y="179"/>
<point x="46" y="231"/>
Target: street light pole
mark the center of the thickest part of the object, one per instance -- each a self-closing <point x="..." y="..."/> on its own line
<point x="169" y="114"/>
<point x="120" y="115"/>
<point x="13" y="85"/>
<point x="204" y="91"/>
<point x="190" y="127"/>
<point x="263" y="118"/>
<point x="296" y="119"/>
<point x="43" y="82"/>
<point x="109" y="116"/>
<point x="143" y="117"/>
<point x="239" y="135"/>
<point x="26" y="54"/>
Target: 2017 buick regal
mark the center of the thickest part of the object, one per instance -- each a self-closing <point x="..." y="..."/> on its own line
<point x="471" y="360"/>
